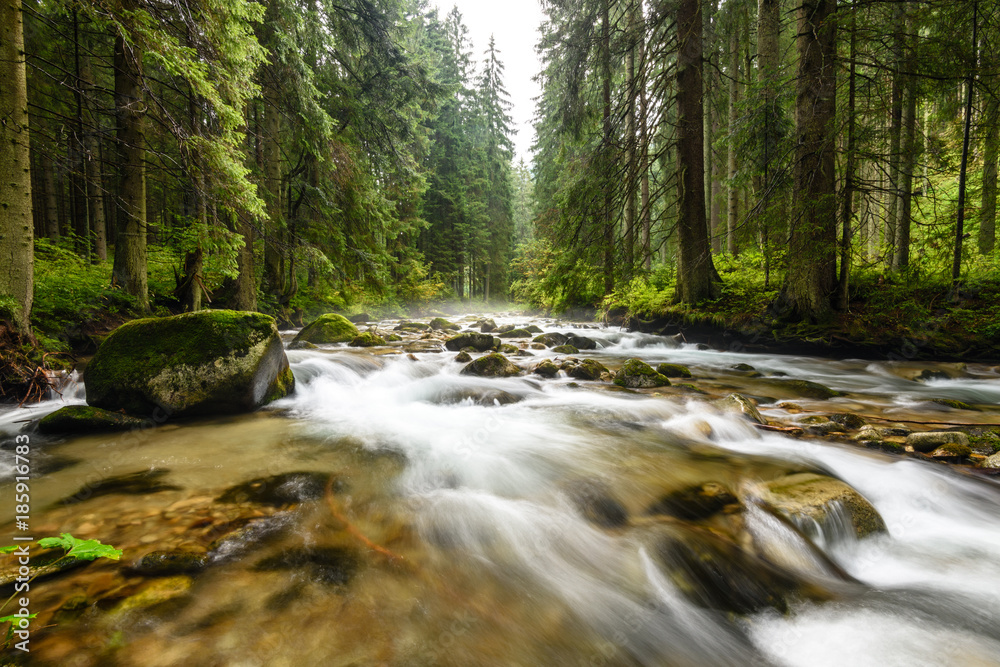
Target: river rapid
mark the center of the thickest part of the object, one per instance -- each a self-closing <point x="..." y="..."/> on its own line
<point x="426" y="517"/>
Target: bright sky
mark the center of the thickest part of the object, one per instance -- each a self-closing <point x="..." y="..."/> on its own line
<point x="514" y="25"/>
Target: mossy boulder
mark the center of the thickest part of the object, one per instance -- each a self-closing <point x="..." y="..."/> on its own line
<point x="516" y="333"/>
<point x="587" y="369"/>
<point x="531" y="328"/>
<point x="673" y="371"/>
<point x="546" y="368"/>
<point x="740" y="404"/>
<point x="565" y="349"/>
<point x="80" y="419"/>
<point x="818" y="498"/>
<point x="463" y="357"/>
<point x="328" y="329"/>
<point x="507" y="348"/>
<point x="412" y="326"/>
<point x="928" y="441"/>
<point x="694" y="503"/>
<point x="367" y="339"/>
<point x="492" y="365"/>
<point x="477" y="341"/>
<point x="441" y="324"/>
<point x="637" y="374"/>
<point x="208" y="362"/>
<point x="953" y="452"/>
<point x="581" y="342"/>
<point x="552" y="339"/>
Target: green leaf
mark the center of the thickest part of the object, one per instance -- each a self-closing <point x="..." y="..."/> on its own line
<point x="12" y="619"/>
<point x="80" y="549"/>
<point x="9" y="549"/>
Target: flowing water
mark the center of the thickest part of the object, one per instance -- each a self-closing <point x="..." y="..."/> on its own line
<point x="456" y="530"/>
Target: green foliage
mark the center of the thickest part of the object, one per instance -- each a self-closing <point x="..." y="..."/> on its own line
<point x="80" y="549"/>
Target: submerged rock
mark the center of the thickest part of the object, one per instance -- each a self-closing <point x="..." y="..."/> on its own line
<point x="637" y="374"/>
<point x="597" y="504"/>
<point x="581" y="342"/>
<point x="169" y="563"/>
<point x="807" y="388"/>
<point x="742" y="405"/>
<point x="516" y="333"/>
<point x="334" y="566"/>
<point x="477" y="341"/>
<point x="133" y="484"/>
<point x="928" y="441"/>
<point x="694" y="502"/>
<point x="848" y="420"/>
<point x="952" y="452"/>
<point x="492" y="365"/>
<point x="673" y="371"/>
<point x="817" y="497"/>
<point x="412" y="326"/>
<point x="208" y="362"/>
<point x="367" y="339"/>
<point x="80" y="419"/>
<point x="282" y="489"/>
<point x="327" y="329"/>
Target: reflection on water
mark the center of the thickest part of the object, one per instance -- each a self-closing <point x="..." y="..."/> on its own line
<point x="461" y="529"/>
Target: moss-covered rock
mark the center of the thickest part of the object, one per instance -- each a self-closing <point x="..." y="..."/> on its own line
<point x="740" y="404"/>
<point x="746" y="368"/>
<point x="463" y="357"/>
<point x="441" y="324"/>
<point x="477" y="341"/>
<point x="393" y="338"/>
<point x="581" y="342"/>
<point x="487" y="325"/>
<point x="531" y="328"/>
<point x="79" y="419"/>
<point x="673" y="371"/>
<point x="516" y="333"/>
<point x="282" y="489"/>
<point x="848" y="420"/>
<point x="565" y="349"/>
<point x="807" y="388"/>
<point x="412" y="326"/>
<point x="953" y="404"/>
<point x="507" y="348"/>
<point x="953" y="452"/>
<point x="169" y="563"/>
<point x="492" y="365"/>
<point x="327" y="329"/>
<point x="637" y="374"/>
<point x="694" y="502"/>
<point x="817" y="498"/>
<point x="550" y="339"/>
<point x="367" y="339"/>
<point x="587" y="369"/>
<point x="208" y="362"/>
<point x="546" y="368"/>
<point x="928" y="441"/>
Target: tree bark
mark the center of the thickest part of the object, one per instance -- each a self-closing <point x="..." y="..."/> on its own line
<point x="956" y="266"/>
<point x="811" y="277"/>
<point x="16" y="224"/>
<point x="696" y="276"/>
<point x="733" y="195"/>
<point x="843" y="287"/>
<point x="644" y="208"/>
<point x="92" y="163"/>
<point x="908" y="146"/>
<point x="988" y="210"/>
<point x="609" y="227"/>
<point x="130" y="112"/>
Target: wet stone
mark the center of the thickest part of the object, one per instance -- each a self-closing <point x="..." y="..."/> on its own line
<point x="565" y="349"/>
<point x="492" y="365"/>
<point x="169" y="563"/>
<point x="928" y="441"/>
<point x="249" y="536"/>
<point x="695" y="502"/>
<point x="848" y="420"/>
<point x="587" y="369"/>
<point x="597" y="504"/>
<point x="283" y="489"/>
<point x="581" y="342"/>
<point x="133" y="484"/>
<point x="553" y="339"/>
<point x="463" y="357"/>
<point x="740" y="404"/>
<point x="673" y="371"/>
<point x="333" y="566"/>
<point x="546" y="368"/>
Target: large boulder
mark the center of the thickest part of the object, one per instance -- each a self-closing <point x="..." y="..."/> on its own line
<point x="478" y="341"/>
<point x="209" y="362"/>
<point x="820" y="499"/>
<point x="928" y="441"/>
<point x="552" y="339"/>
<point x="326" y="329"/>
<point x="492" y="365"/>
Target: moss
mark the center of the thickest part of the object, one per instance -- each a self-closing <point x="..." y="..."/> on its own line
<point x="439" y="323"/>
<point x="673" y="371"/>
<point x="546" y="369"/>
<point x="550" y="339"/>
<point x="492" y="365"/>
<point x="463" y="357"/>
<point x="367" y="339"/>
<point x="516" y="333"/>
<point x="477" y="341"/>
<point x="393" y="338"/>
<point x="952" y="450"/>
<point x="588" y="369"/>
<point x="636" y="374"/>
<point x="955" y="405"/>
<point x="506" y="348"/>
<point x="691" y="388"/>
<point x="565" y="349"/>
<point x="807" y="388"/>
<point x="327" y="329"/>
<point x="75" y="419"/>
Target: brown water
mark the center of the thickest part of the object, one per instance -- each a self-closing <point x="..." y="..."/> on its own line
<point x="452" y="532"/>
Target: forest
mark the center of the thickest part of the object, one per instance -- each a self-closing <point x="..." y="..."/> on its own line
<point x="810" y="165"/>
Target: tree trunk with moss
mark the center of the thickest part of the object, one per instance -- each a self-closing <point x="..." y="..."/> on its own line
<point x="130" y="111"/>
<point x="811" y="279"/>
<point x="16" y="224"/>
<point x="988" y="210"/>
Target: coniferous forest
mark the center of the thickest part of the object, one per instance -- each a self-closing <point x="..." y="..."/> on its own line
<point x="798" y="164"/>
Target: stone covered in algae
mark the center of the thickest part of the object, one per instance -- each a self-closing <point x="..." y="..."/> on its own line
<point x="80" y="419"/>
<point x="208" y="362"/>
<point x="327" y="329"/>
<point x="636" y="374"/>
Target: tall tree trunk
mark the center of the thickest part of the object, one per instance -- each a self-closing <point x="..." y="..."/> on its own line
<point x="51" y="197"/>
<point x="130" y="112"/>
<point x="696" y="276"/>
<point x="733" y="195"/>
<point x="956" y="266"/>
<point x="645" y="211"/>
<point x="77" y="156"/>
<point x="92" y="162"/>
<point x="988" y="210"/>
<point x="631" y="147"/>
<point x="274" y="273"/>
<point x="895" y="131"/>
<point x="609" y="227"/>
<point x="16" y="224"/>
<point x="843" y="287"/>
<point x="811" y="277"/>
<point x="908" y="146"/>
<point x="768" y="65"/>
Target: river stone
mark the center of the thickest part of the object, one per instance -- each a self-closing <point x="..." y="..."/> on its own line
<point x="992" y="463"/>
<point x="441" y="324"/>
<point x="811" y="496"/>
<point x="597" y="504"/>
<point x="952" y="452"/>
<point x="367" y="339"/>
<point x="327" y="329"/>
<point x="531" y="328"/>
<point x="463" y="357"/>
<point x="869" y="433"/>
<point x="546" y="368"/>
<point x="581" y="342"/>
<point x="637" y="374"/>
<point x="359" y="318"/>
<point x="552" y="339"/>
<point x="140" y="483"/>
<point x="334" y="566"/>
<point x="282" y="489"/>
<point x="168" y="563"/>
<point x="208" y="362"/>
<point x="487" y="326"/>
<point x="587" y="369"/>
<point x="743" y="367"/>
<point x="807" y="388"/>
<point x="565" y="349"/>
<point x="492" y="365"/>
<point x="80" y="419"/>
<point x="825" y="427"/>
<point x="953" y="404"/>
<point x="673" y="371"/>
<point x="159" y="592"/>
<point x="478" y="341"/>
<point x="507" y="348"/>
<point x="504" y="328"/>
<point x="694" y="502"/>
<point x="412" y="326"/>
<point x="928" y="441"/>
<point x="740" y="404"/>
<point x="516" y="333"/>
<point x="848" y="420"/>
